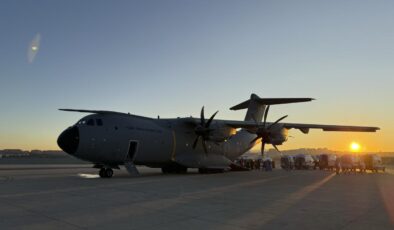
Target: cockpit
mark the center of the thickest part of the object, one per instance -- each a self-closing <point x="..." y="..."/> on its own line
<point x="90" y="122"/>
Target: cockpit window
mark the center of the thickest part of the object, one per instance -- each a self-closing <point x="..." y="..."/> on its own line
<point x="90" y="122"/>
<point x="99" y="122"/>
<point x="81" y="122"/>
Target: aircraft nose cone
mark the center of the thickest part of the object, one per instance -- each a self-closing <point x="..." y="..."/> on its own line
<point x="68" y="140"/>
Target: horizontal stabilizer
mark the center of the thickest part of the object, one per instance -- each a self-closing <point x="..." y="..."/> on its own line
<point x="270" y="101"/>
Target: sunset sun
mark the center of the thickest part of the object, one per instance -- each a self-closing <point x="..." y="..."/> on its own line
<point x="355" y="147"/>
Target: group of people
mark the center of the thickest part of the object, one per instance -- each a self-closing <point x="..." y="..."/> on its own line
<point x="257" y="164"/>
<point x="344" y="163"/>
<point x="348" y="166"/>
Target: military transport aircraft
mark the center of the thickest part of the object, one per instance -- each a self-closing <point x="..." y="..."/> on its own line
<point x="109" y="139"/>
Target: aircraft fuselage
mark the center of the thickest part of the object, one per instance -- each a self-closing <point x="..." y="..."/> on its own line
<point x="106" y="138"/>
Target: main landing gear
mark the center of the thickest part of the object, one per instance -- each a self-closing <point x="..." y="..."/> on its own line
<point x="106" y="172"/>
<point x="174" y="169"/>
<point x="210" y="171"/>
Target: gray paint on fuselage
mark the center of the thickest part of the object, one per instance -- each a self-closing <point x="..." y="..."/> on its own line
<point x="109" y="143"/>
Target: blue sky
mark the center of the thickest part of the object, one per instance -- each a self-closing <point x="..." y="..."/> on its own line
<point x="169" y="58"/>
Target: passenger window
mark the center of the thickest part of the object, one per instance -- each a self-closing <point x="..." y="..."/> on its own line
<point x="90" y="122"/>
<point x="99" y="122"/>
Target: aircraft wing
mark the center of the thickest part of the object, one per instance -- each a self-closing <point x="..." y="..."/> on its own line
<point x="102" y="112"/>
<point x="91" y="111"/>
<point x="331" y="128"/>
<point x="243" y="124"/>
<point x="231" y="123"/>
<point x="250" y="125"/>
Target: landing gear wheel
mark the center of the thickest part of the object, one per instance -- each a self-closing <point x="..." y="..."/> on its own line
<point x="210" y="171"/>
<point x="101" y="172"/>
<point x="177" y="169"/>
<point x="165" y="170"/>
<point x="181" y="170"/>
<point x="109" y="173"/>
<point x="106" y="173"/>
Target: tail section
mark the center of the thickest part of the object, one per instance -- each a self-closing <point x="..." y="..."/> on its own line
<point x="256" y="106"/>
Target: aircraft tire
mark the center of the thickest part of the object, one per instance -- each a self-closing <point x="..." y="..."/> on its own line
<point x="165" y="170"/>
<point x="174" y="170"/>
<point x="210" y="171"/>
<point x="181" y="170"/>
<point x="102" y="172"/>
<point x="168" y="170"/>
<point x="108" y="173"/>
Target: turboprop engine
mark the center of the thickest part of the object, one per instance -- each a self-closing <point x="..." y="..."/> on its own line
<point x="273" y="134"/>
<point x="278" y="135"/>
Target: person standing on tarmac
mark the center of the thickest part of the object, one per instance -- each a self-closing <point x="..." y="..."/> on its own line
<point x="267" y="164"/>
<point x="262" y="164"/>
<point x="337" y="166"/>
<point x="362" y="166"/>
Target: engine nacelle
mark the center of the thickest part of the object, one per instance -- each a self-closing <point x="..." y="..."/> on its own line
<point x="221" y="133"/>
<point x="278" y="135"/>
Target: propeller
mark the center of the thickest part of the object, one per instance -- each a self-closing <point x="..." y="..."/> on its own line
<point x="202" y="130"/>
<point x="264" y="133"/>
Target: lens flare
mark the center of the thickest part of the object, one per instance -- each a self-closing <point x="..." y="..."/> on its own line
<point x="34" y="46"/>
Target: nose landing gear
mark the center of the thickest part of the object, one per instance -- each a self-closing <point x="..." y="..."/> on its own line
<point x="106" y="172"/>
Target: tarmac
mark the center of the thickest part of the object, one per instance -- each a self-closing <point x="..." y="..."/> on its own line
<point x="74" y="197"/>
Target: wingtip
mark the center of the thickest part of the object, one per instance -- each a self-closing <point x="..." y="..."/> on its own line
<point x="67" y="110"/>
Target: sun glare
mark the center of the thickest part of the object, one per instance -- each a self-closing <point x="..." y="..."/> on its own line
<point x="355" y="147"/>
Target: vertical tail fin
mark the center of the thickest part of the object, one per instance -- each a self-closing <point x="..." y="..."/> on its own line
<point x="256" y="106"/>
<point x="255" y="109"/>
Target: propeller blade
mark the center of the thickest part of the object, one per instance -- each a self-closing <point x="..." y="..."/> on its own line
<point x="266" y="115"/>
<point x="276" y="148"/>
<point x="258" y="137"/>
<point x="195" y="142"/>
<point x="262" y="148"/>
<point x="205" y="146"/>
<point x="276" y="122"/>
<point x="210" y="120"/>
<point x="202" y="117"/>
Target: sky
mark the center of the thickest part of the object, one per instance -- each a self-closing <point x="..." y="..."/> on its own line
<point x="170" y="58"/>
